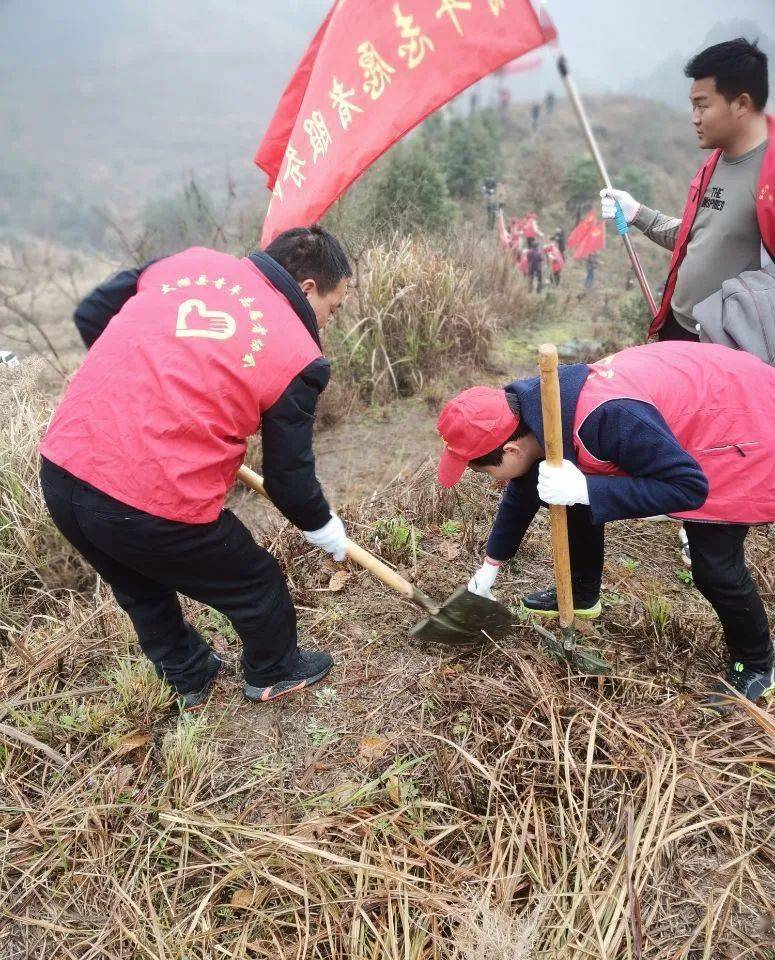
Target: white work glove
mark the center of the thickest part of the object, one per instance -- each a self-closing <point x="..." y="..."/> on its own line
<point x="482" y="581"/>
<point x="608" y="198"/>
<point x="331" y="538"/>
<point x="562" y="486"/>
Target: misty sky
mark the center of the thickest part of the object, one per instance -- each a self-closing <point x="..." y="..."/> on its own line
<point x="608" y="48"/>
<point x="114" y="98"/>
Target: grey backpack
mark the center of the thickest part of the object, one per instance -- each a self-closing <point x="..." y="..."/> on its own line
<point x="741" y="314"/>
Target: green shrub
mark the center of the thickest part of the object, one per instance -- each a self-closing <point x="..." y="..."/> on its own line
<point x="581" y="186"/>
<point x="469" y="153"/>
<point x="408" y="193"/>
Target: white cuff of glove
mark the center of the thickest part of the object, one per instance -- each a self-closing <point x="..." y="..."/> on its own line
<point x="562" y="486"/>
<point x="332" y="538"/>
<point x="629" y="204"/>
<point x="482" y="581"/>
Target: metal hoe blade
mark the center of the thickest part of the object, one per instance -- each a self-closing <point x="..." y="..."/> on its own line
<point x="567" y="650"/>
<point x="466" y="618"/>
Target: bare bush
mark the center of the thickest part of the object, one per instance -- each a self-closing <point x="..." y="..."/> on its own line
<point x="413" y="315"/>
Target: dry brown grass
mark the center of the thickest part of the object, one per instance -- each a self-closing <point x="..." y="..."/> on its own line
<point x="414" y="314"/>
<point x="425" y="803"/>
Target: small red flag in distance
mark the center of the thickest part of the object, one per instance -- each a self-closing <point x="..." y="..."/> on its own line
<point x="371" y="74"/>
<point x="578" y="233"/>
<point x="593" y="241"/>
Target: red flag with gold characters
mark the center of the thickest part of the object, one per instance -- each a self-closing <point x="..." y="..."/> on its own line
<point x="593" y="241"/>
<point x="578" y="233"/>
<point x="373" y="72"/>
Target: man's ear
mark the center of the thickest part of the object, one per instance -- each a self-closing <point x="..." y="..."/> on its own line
<point x="308" y="286"/>
<point x="512" y="446"/>
<point x="743" y="104"/>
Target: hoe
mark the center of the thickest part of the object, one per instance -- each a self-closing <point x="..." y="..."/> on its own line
<point x="463" y="618"/>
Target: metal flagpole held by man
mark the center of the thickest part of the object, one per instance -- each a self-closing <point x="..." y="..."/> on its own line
<point x="621" y="223"/>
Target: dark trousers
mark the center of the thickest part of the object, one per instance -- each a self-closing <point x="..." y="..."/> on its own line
<point x="535" y="280"/>
<point x="720" y="574"/>
<point x="148" y="560"/>
<point x="672" y="330"/>
<point x="586" y="543"/>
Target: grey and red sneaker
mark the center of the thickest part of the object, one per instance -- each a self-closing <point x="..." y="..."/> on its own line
<point x="310" y="666"/>
<point x="740" y="682"/>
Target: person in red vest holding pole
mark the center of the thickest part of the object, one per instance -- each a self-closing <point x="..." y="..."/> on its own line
<point x="730" y="211"/>
<point x="189" y="356"/>
<point x="671" y="428"/>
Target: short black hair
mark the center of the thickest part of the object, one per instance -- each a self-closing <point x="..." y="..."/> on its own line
<point x="311" y="253"/>
<point x="738" y="67"/>
<point x="495" y="457"/>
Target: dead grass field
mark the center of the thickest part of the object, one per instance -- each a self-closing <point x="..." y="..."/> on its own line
<point x="479" y="804"/>
<point x="425" y="802"/>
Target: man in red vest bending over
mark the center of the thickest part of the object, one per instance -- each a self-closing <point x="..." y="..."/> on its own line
<point x="682" y="429"/>
<point x="189" y="357"/>
<point x="730" y="211"/>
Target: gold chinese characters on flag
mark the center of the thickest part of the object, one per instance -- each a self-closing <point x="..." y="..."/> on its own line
<point x="373" y="71"/>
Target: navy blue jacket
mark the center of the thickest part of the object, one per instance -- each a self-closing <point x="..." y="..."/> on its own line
<point x="662" y="476"/>
<point x="288" y="462"/>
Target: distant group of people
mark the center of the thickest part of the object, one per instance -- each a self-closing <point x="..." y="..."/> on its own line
<point x="531" y="249"/>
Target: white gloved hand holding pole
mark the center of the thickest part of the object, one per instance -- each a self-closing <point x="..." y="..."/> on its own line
<point x="482" y="581"/>
<point x="562" y="486"/>
<point x="629" y="205"/>
<point x="331" y="538"/>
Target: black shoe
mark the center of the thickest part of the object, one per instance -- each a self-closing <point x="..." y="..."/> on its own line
<point x="745" y="683"/>
<point x="310" y="667"/>
<point x="544" y="604"/>
<point x="197" y="698"/>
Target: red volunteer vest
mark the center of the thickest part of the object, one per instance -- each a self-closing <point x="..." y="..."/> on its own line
<point x="719" y="403"/>
<point x="765" y="214"/>
<point x="159" y="412"/>
<point x="555" y="257"/>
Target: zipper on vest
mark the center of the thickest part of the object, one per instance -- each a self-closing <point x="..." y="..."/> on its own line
<point x="732" y="446"/>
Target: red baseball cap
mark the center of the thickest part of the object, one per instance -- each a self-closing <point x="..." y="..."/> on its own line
<point x="472" y="424"/>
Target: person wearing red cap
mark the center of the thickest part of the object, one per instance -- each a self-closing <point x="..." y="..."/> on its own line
<point x="671" y="428"/>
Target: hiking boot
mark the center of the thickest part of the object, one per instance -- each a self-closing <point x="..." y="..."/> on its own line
<point x="544" y="604"/>
<point x="197" y="698"/>
<point x="745" y="683"/>
<point x="310" y="666"/>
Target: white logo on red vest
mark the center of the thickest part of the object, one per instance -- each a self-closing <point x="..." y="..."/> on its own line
<point x="220" y="325"/>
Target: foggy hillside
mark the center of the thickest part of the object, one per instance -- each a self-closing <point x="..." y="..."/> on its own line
<point x="114" y="103"/>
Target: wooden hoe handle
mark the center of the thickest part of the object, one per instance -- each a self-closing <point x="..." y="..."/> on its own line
<point x="552" y="417"/>
<point x="357" y="554"/>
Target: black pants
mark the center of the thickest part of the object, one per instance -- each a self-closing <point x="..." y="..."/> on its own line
<point x="586" y="543"/>
<point x="672" y="330"/>
<point x="148" y="560"/>
<point x="720" y="574"/>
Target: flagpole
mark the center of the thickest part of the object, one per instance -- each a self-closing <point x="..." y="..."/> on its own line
<point x="621" y="223"/>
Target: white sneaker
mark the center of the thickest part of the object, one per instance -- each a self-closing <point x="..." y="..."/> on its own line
<point x="685" y="553"/>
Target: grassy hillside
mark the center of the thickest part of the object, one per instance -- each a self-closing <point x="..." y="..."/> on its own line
<point x="426" y="802"/>
<point x="477" y="803"/>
